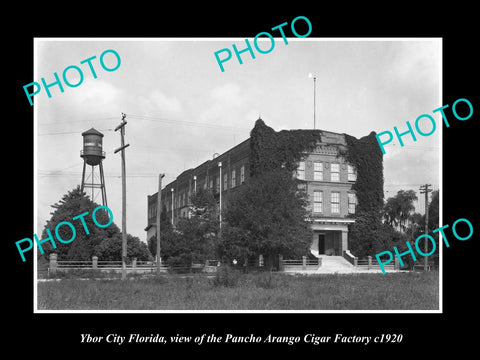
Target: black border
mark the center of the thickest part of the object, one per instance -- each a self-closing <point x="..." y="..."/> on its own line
<point x="428" y="333"/>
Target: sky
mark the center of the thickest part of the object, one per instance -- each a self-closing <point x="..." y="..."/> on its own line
<point x="181" y="108"/>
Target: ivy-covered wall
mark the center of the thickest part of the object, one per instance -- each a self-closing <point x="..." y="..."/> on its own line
<point x="270" y="150"/>
<point x="366" y="156"/>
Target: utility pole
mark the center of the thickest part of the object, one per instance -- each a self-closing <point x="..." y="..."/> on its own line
<point x="159" y="212"/>
<point x="220" y="207"/>
<point x="310" y="75"/>
<point x="424" y="189"/>
<point x="172" y="190"/>
<point x="124" y="195"/>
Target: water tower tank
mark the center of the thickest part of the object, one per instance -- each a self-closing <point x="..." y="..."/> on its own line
<point x="92" y="147"/>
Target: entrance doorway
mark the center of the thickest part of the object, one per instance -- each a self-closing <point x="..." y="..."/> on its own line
<point x="321" y="243"/>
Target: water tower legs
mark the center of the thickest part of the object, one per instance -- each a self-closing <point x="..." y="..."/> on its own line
<point x="83" y="175"/>
<point x="94" y="185"/>
<point x="103" y="189"/>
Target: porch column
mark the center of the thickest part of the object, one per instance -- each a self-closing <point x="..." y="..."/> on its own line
<point x="344" y="244"/>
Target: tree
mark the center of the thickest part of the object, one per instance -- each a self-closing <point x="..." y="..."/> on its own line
<point x="433" y="223"/>
<point x="398" y="208"/>
<point x="433" y="211"/>
<point x="267" y="216"/>
<point x="204" y="206"/>
<point x="165" y="227"/>
<point x="72" y="204"/>
<point x="110" y="249"/>
<point x="194" y="239"/>
<point x="416" y="225"/>
<point x="102" y="242"/>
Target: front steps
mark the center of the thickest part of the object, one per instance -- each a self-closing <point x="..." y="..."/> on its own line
<point x="339" y="265"/>
<point x="332" y="264"/>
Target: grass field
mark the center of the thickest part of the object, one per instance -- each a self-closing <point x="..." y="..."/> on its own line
<point x="256" y="291"/>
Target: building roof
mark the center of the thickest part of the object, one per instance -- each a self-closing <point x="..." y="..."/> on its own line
<point x="92" y="131"/>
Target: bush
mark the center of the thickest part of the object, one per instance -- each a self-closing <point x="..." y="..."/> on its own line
<point x="78" y="274"/>
<point x="226" y="276"/>
<point x="266" y="280"/>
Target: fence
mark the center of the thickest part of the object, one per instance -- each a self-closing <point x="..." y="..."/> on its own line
<point x="303" y="264"/>
<point x="372" y="264"/>
<point x="210" y="266"/>
<point x="369" y="263"/>
<point x="137" y="267"/>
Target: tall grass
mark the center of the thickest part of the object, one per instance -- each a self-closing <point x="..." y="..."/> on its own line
<point x="231" y="290"/>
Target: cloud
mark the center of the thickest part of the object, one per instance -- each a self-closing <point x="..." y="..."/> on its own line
<point x="227" y="106"/>
<point x="229" y="95"/>
<point x="158" y="103"/>
<point x="98" y="91"/>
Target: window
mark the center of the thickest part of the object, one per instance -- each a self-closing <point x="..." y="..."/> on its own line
<point x="352" y="202"/>
<point x="301" y="170"/>
<point x="335" y="202"/>
<point x="152" y="211"/>
<point x="242" y="174"/>
<point x="317" y="171"/>
<point x="225" y="182"/>
<point x="234" y="179"/>
<point x="211" y="184"/>
<point x="352" y="173"/>
<point x="317" y="201"/>
<point x="335" y="172"/>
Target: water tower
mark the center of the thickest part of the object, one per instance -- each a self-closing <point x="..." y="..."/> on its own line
<point x="93" y="155"/>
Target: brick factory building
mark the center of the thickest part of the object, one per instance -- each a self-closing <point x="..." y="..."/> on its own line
<point x="328" y="180"/>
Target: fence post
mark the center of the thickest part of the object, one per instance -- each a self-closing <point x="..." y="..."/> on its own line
<point x="260" y="260"/>
<point x="134" y="265"/>
<point x="355" y="261"/>
<point x="53" y="263"/>
<point x="94" y="262"/>
<point x="304" y="262"/>
<point x="280" y="262"/>
<point x="319" y="262"/>
<point x="397" y="265"/>
<point x="369" y="262"/>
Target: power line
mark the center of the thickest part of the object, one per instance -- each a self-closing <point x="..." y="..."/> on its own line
<point x="418" y="147"/>
<point x="76" y="121"/>
<point x="109" y="176"/>
<point x="184" y="122"/>
<point x="70" y="132"/>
